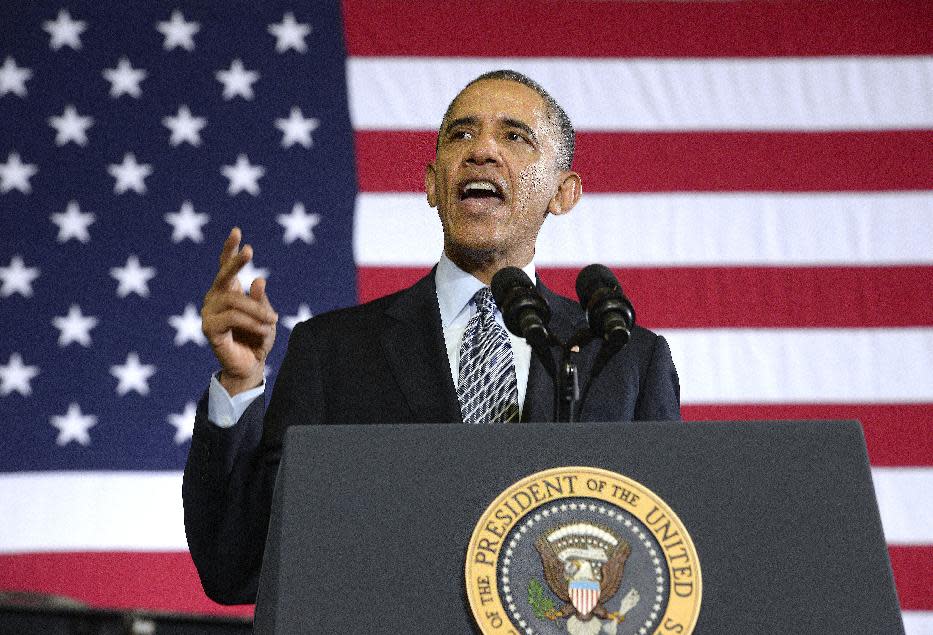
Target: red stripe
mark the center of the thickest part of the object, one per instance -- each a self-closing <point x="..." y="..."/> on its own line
<point x="568" y="28"/>
<point x="913" y="575"/>
<point x="166" y="581"/>
<point x="897" y="435"/>
<point x="121" y="580"/>
<point x="737" y="297"/>
<point x="394" y="161"/>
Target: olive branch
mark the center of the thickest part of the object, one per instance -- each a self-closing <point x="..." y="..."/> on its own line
<point x="541" y="605"/>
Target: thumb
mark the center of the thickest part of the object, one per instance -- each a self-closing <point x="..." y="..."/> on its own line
<point x="257" y="289"/>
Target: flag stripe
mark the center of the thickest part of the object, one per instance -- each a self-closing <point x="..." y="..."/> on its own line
<point x="719" y="366"/>
<point x="166" y="581"/>
<point x="618" y="29"/>
<point x="918" y="622"/>
<point x="678" y="229"/>
<point x="712" y="161"/>
<point x="150" y="516"/>
<point x="913" y="573"/>
<point x="727" y="297"/>
<point x="653" y="94"/>
<point x="904" y="494"/>
<point x="905" y="501"/>
<point x="896" y="434"/>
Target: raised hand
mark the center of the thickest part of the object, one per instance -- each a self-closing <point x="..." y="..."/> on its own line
<point x="240" y="327"/>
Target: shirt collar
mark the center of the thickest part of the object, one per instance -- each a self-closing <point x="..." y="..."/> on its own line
<point x="456" y="287"/>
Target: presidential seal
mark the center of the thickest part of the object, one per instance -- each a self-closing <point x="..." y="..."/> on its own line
<point x="584" y="551"/>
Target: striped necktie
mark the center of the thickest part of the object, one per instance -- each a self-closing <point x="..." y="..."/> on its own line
<point x="488" y="389"/>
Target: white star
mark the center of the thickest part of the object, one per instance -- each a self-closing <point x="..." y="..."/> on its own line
<point x="243" y="176"/>
<point x="290" y="34"/>
<point x="124" y="79"/>
<point x="16" y="376"/>
<point x="73" y="223"/>
<point x="64" y="31"/>
<point x="129" y="174"/>
<point x="298" y="224"/>
<point x="13" y="78"/>
<point x="188" y="327"/>
<point x="177" y="32"/>
<point x="304" y="313"/>
<point x="132" y="375"/>
<point x="184" y="127"/>
<point x="17" y="278"/>
<point x="16" y="174"/>
<point x="71" y="127"/>
<point x="250" y="272"/>
<point x="184" y="423"/>
<point x="73" y="426"/>
<point x="74" y="327"/>
<point x="237" y="81"/>
<point x="297" y="129"/>
<point x="186" y="223"/>
<point x="133" y="278"/>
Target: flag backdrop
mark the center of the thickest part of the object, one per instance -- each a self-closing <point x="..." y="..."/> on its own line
<point x="759" y="175"/>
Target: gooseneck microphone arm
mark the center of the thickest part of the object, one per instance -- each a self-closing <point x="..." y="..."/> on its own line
<point x="525" y="312"/>
<point x="610" y="318"/>
<point x="610" y="315"/>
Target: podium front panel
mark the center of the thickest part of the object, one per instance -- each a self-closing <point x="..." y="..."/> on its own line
<point x="371" y="523"/>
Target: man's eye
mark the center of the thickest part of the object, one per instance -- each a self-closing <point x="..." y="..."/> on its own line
<point x="515" y="136"/>
<point x="460" y="134"/>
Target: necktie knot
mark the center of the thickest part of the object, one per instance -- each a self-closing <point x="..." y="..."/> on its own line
<point x="485" y="304"/>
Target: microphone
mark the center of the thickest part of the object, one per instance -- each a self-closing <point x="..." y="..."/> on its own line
<point x="524" y="310"/>
<point x="609" y="313"/>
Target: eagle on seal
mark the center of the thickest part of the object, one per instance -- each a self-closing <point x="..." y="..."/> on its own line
<point x="562" y="574"/>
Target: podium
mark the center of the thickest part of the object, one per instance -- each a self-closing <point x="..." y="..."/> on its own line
<point x="370" y="524"/>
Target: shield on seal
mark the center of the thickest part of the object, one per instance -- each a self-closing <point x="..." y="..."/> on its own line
<point x="584" y="594"/>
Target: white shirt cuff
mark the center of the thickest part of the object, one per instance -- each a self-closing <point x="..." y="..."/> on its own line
<point x="222" y="409"/>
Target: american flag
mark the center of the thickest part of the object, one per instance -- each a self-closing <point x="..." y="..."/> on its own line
<point x="758" y="174"/>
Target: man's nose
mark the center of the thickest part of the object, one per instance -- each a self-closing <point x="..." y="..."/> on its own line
<point x="483" y="149"/>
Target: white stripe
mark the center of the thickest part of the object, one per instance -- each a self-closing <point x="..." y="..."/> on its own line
<point x="918" y="622"/>
<point x="91" y="511"/>
<point x="803" y="365"/>
<point x="115" y="511"/>
<point x="905" y="523"/>
<point x="684" y="229"/>
<point x="827" y="93"/>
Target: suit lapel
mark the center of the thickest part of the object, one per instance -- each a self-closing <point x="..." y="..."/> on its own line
<point x="413" y="342"/>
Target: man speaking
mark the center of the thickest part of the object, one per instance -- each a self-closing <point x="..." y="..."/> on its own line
<point x="436" y="352"/>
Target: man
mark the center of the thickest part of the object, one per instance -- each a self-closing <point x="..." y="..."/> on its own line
<point x="433" y="353"/>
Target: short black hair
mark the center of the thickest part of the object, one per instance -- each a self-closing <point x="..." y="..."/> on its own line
<point x="566" y="142"/>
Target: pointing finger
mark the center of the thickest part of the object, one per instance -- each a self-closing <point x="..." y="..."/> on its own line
<point x="226" y="277"/>
<point x="230" y="245"/>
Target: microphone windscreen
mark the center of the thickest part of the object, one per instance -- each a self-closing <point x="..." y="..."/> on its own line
<point x="591" y="278"/>
<point x="506" y="279"/>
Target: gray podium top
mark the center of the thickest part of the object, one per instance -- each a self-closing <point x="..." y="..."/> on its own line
<point x="371" y="523"/>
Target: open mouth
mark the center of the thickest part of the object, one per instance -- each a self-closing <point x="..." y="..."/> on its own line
<point x="480" y="189"/>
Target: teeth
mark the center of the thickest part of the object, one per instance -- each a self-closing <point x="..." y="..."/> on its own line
<point x="480" y="185"/>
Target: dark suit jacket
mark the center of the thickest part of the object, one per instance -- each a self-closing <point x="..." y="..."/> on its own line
<point x="381" y="362"/>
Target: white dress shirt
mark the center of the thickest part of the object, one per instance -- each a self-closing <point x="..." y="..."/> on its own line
<point x="455" y="291"/>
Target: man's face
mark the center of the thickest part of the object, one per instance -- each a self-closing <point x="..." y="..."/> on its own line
<point x="495" y="175"/>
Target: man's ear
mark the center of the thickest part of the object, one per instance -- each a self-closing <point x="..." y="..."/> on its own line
<point x="568" y="193"/>
<point x="429" y="184"/>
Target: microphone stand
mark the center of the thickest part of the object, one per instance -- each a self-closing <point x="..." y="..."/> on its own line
<point x="567" y="391"/>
